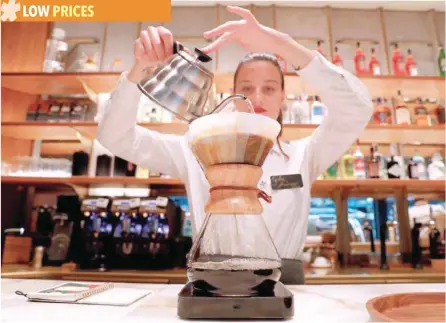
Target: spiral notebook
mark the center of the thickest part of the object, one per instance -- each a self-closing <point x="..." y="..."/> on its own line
<point x="88" y="293"/>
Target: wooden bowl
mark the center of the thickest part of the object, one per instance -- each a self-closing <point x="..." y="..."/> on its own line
<point x="408" y="307"/>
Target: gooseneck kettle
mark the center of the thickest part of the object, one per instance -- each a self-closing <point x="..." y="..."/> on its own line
<point x="182" y="85"/>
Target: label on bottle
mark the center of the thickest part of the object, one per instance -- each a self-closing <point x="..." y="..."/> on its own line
<point x="359" y="165"/>
<point x="414" y="171"/>
<point x="402" y="115"/>
<point x="394" y="170"/>
<point x="373" y="169"/>
<point x="349" y="168"/>
<point x="413" y="71"/>
<point x="376" y="69"/>
<point x="442" y="65"/>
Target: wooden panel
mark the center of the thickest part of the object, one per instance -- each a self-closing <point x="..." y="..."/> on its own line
<point x="347" y="29"/>
<point x="15" y="147"/>
<point x="440" y="24"/>
<point x="23" y="46"/>
<point x="60" y="148"/>
<point x="192" y="21"/>
<point x="265" y="15"/>
<point x="119" y="45"/>
<point x="60" y="83"/>
<point x="416" y="35"/>
<point x="15" y="104"/>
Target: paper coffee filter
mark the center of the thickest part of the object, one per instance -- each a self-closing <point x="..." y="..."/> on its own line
<point x="234" y="122"/>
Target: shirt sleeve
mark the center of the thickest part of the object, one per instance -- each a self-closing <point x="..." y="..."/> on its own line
<point x="119" y="133"/>
<point x="349" y="108"/>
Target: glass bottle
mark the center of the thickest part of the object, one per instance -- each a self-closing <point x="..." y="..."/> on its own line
<point x="402" y="113"/>
<point x="347" y="166"/>
<point x="359" y="164"/>
<point x="55" y="47"/>
<point x="373" y="164"/>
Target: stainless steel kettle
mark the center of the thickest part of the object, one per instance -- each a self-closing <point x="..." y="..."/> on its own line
<point x="182" y="85"/>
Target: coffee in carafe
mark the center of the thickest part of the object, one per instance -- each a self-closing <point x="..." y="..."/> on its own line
<point x="233" y="254"/>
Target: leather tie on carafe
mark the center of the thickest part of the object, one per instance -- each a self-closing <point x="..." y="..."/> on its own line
<point x="261" y="194"/>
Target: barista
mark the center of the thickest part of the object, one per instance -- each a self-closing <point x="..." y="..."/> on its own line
<point x="261" y="80"/>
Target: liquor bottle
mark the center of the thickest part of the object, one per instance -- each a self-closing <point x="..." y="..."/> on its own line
<point x="411" y="64"/>
<point x="374" y="65"/>
<point x="439" y="112"/>
<point x="402" y="113"/>
<point x="319" y="49"/>
<point x="381" y="162"/>
<point x="373" y="164"/>
<point x="436" y="169"/>
<point x="422" y="117"/>
<point x="382" y="114"/>
<point x="337" y="59"/>
<point x="360" y="63"/>
<point x="397" y="61"/>
<point x="318" y="111"/>
<point x="359" y="163"/>
<point x="441" y="61"/>
<point x="347" y="166"/>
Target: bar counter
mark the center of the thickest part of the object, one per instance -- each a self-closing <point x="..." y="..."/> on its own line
<point x="352" y="275"/>
<point x="331" y="303"/>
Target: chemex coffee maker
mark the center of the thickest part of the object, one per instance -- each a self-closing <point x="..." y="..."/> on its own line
<point x="233" y="267"/>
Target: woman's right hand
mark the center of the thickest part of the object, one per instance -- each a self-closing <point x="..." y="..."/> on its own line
<point x="154" y="46"/>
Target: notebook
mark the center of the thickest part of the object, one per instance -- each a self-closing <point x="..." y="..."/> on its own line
<point x="88" y="293"/>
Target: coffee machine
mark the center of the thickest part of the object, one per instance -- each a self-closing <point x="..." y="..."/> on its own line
<point x="233" y="267"/>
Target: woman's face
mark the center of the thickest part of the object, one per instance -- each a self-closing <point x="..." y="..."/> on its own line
<point x="260" y="82"/>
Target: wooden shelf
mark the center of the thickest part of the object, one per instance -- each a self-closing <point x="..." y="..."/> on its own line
<point x="87" y="181"/>
<point x="59" y="83"/>
<point x="68" y="83"/>
<point x="403" y="134"/>
<point x="379" y="86"/>
<point x="322" y="188"/>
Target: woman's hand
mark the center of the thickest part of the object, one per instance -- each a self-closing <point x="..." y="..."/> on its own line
<point x="255" y="37"/>
<point x="154" y="46"/>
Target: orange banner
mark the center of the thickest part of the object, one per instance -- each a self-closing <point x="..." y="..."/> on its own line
<point x="86" y="10"/>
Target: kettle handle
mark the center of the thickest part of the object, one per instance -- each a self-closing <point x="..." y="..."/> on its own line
<point x="177" y="47"/>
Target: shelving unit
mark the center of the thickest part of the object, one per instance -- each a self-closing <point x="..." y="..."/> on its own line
<point x="321" y="188"/>
<point x="105" y="82"/>
<point x="383" y="134"/>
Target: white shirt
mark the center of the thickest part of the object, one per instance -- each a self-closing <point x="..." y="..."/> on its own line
<point x="349" y="110"/>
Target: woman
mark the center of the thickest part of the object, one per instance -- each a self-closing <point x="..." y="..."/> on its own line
<point x="260" y="78"/>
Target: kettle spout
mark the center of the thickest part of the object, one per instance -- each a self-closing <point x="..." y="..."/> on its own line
<point x="226" y="101"/>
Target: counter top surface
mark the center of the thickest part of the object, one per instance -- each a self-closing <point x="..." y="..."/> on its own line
<point x="313" y="303"/>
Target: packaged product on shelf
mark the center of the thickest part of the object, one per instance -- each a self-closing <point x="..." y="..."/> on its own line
<point x="78" y="112"/>
<point x="54" y="111"/>
<point x="286" y="114"/>
<point x="32" y="112"/>
<point x="417" y="167"/>
<point x="142" y="172"/>
<point x="43" y="111"/>
<point x="55" y="49"/>
<point x="80" y="163"/>
<point x="123" y="167"/>
<point x="103" y="165"/>
<point x="65" y="112"/>
<point x="373" y="164"/>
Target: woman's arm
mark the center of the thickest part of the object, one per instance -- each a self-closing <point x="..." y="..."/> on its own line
<point x="118" y="130"/>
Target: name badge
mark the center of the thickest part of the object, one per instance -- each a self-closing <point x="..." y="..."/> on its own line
<point x="282" y="182"/>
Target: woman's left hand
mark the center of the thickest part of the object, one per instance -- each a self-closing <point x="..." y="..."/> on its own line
<point x="248" y="33"/>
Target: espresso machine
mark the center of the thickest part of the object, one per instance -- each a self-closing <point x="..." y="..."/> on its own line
<point x="233" y="267"/>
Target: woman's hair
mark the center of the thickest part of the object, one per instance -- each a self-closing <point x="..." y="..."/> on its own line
<point x="265" y="57"/>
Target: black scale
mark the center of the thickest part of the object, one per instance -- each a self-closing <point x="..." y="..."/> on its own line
<point x="278" y="304"/>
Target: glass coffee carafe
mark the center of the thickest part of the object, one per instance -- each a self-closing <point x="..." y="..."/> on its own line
<point x="233" y="254"/>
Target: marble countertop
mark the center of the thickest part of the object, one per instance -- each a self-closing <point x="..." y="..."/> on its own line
<point x="313" y="303"/>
